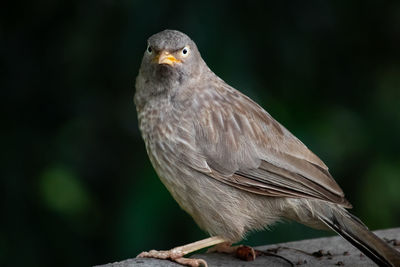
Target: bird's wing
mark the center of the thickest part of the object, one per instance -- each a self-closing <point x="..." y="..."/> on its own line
<point x="243" y="146"/>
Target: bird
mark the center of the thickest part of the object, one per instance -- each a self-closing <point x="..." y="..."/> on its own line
<point x="227" y="162"/>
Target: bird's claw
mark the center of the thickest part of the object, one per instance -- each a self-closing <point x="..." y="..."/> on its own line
<point x="173" y="255"/>
<point x="246" y="253"/>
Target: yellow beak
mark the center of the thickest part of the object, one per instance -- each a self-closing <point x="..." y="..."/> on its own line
<point x="166" y="58"/>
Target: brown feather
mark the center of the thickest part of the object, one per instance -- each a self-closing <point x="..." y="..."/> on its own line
<point x="246" y="148"/>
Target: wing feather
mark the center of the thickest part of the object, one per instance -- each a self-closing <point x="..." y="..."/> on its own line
<point x="243" y="146"/>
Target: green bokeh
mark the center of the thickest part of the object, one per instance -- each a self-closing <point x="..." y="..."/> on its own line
<point x="63" y="192"/>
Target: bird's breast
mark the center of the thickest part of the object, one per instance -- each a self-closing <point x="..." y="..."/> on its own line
<point x="168" y="134"/>
<point x="169" y="138"/>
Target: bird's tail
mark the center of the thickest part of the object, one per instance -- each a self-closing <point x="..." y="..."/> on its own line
<point x="354" y="231"/>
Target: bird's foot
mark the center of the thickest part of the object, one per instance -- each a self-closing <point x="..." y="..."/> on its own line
<point x="245" y="253"/>
<point x="225" y="247"/>
<point x="174" y="255"/>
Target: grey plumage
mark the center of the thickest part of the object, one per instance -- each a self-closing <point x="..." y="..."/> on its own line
<point x="224" y="159"/>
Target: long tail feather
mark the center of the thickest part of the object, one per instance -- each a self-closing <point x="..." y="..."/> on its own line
<point x="354" y="231"/>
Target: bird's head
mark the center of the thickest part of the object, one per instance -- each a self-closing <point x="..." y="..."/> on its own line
<point x="171" y="56"/>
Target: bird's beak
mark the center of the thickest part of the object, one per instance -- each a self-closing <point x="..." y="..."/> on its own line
<point x="164" y="57"/>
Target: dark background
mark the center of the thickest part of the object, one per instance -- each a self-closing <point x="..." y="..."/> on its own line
<point x="76" y="186"/>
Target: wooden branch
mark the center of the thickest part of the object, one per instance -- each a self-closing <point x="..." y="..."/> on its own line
<point x="330" y="251"/>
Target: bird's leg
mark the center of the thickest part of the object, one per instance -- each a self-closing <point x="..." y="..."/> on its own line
<point x="242" y="252"/>
<point x="176" y="254"/>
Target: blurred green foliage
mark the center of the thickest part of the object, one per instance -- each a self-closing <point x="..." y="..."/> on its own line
<point x="76" y="186"/>
<point x="63" y="192"/>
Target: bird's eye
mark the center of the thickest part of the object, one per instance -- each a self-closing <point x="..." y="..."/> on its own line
<point x="185" y="51"/>
<point x="149" y="49"/>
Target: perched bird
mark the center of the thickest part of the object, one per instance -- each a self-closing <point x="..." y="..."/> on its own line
<point x="227" y="162"/>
